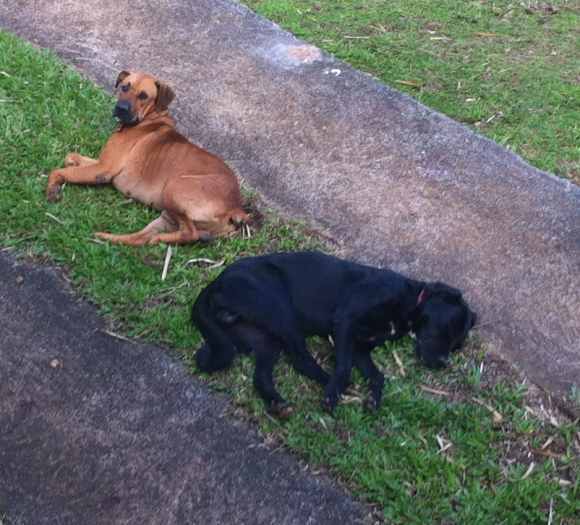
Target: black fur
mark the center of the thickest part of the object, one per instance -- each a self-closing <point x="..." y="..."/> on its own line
<point x="269" y="304"/>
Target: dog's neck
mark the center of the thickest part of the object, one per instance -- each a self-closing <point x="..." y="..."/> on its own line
<point x="422" y="297"/>
<point x="157" y="118"/>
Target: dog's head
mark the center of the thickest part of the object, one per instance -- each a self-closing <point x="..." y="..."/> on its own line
<point x="138" y="96"/>
<point x="441" y="323"/>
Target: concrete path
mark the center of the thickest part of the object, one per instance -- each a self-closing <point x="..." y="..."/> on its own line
<point x="396" y="183"/>
<point x="95" y="430"/>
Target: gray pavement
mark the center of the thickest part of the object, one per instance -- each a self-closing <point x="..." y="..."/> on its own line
<point x="396" y="183"/>
<point x="96" y="430"/>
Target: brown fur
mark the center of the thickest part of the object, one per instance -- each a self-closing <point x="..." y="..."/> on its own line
<point x="149" y="161"/>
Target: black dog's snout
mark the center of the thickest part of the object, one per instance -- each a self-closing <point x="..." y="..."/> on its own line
<point x="435" y="363"/>
<point x="438" y="364"/>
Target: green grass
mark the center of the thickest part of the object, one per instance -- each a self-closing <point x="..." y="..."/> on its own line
<point x="393" y="459"/>
<point x="507" y="69"/>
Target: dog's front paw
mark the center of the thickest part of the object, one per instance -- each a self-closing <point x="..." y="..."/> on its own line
<point x="372" y="404"/>
<point x="72" y="160"/>
<point x="104" y="236"/>
<point x="323" y="378"/>
<point x="53" y="192"/>
<point x="55" y="182"/>
<point x="280" y="409"/>
<point x="329" y="402"/>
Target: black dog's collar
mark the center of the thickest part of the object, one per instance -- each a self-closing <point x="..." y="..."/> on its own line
<point x="422" y="297"/>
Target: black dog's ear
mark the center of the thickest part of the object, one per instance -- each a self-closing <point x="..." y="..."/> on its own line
<point x="443" y="289"/>
<point x="165" y="96"/>
<point x="122" y="76"/>
<point x="473" y="318"/>
<point x="424" y="294"/>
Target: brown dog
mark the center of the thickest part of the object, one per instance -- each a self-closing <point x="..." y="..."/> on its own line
<point x="148" y="160"/>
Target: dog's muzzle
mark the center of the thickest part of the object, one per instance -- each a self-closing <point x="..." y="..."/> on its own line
<point x="473" y="318"/>
<point x="430" y="357"/>
<point x="436" y="364"/>
<point x="123" y="112"/>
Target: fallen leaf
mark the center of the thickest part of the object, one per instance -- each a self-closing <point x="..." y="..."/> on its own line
<point x="497" y="418"/>
<point x="399" y="364"/>
<point x="210" y="262"/>
<point x="434" y="391"/>
<point x="51" y="216"/>
<point x="529" y="471"/>
<point x="168" y="255"/>
<point x="412" y="83"/>
<point x="546" y="453"/>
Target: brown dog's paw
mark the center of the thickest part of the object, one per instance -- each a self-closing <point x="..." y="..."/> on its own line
<point x="54" y="186"/>
<point x="280" y="410"/>
<point x="72" y="160"/>
<point x="53" y="193"/>
<point x="103" y="236"/>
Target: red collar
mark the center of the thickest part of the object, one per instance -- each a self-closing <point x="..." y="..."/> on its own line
<point x="422" y="297"/>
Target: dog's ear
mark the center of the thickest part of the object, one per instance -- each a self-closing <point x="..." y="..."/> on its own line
<point x="473" y="318"/>
<point x="122" y="76"/>
<point x="165" y="95"/>
<point x="442" y="289"/>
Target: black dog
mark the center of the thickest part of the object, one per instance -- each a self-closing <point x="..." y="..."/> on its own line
<point x="271" y="303"/>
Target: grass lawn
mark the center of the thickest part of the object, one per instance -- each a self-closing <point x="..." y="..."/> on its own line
<point x="508" y="69"/>
<point x="469" y="445"/>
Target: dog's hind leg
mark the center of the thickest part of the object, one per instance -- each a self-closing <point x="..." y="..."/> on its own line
<point x="267" y="354"/>
<point x="306" y="365"/>
<point x="363" y="361"/>
<point x="267" y="350"/>
<point x="265" y="347"/>
<point x="186" y="232"/>
<point x="218" y="352"/>
<point x="162" y="224"/>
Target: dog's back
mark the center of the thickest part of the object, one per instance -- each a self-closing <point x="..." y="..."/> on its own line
<point x="315" y="284"/>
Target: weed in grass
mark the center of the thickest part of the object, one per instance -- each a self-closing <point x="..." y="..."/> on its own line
<point x="430" y="455"/>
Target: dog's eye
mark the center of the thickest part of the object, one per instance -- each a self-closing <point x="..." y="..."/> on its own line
<point x="125" y="88"/>
<point x="142" y="95"/>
